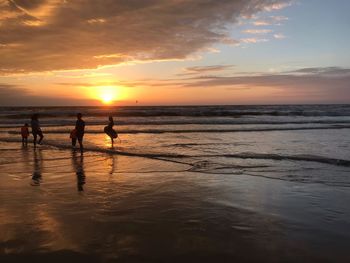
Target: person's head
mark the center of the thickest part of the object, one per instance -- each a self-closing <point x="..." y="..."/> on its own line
<point x="110" y="118"/>
<point x="26" y="124"/>
<point x="35" y="116"/>
<point x="79" y="116"/>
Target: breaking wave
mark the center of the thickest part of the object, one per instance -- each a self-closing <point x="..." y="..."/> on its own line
<point x="190" y="111"/>
<point x="199" y="130"/>
<point x="173" y="157"/>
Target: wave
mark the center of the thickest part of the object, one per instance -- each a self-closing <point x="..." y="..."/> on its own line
<point x="167" y="122"/>
<point x="200" y="130"/>
<point x="301" y="157"/>
<point x="177" y="157"/>
<point x="190" y="111"/>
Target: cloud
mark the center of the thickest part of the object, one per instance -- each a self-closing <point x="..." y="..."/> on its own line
<point x="257" y="31"/>
<point x="279" y="36"/>
<point x="316" y="84"/>
<point x="46" y="35"/>
<point x="207" y="69"/>
<point x="9" y="90"/>
<point x="316" y="75"/>
<point x="331" y="78"/>
<point x="261" y="23"/>
<point x="330" y="84"/>
<point x="276" y="80"/>
<point x="278" y="6"/>
<point x="253" y="40"/>
<point x="279" y="18"/>
<point x="13" y="95"/>
<point x="271" y="20"/>
<point x="325" y="71"/>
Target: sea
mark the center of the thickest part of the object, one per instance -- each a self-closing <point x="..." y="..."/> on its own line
<point x="254" y="183"/>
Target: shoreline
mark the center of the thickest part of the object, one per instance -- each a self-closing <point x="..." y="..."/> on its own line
<point x="125" y="210"/>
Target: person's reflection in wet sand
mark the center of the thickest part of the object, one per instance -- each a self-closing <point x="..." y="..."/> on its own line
<point x="25" y="154"/>
<point x="37" y="167"/>
<point x="112" y="164"/>
<point x="78" y="164"/>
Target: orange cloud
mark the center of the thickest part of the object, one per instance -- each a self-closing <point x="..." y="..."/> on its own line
<point x="46" y="35"/>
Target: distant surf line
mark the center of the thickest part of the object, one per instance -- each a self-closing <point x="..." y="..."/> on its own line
<point x="155" y="131"/>
<point x="54" y="123"/>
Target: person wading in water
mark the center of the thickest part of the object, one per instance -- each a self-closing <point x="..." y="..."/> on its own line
<point x="110" y="131"/>
<point x="36" y="130"/>
<point x="80" y="130"/>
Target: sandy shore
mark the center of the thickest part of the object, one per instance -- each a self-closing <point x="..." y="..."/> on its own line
<point x="58" y="205"/>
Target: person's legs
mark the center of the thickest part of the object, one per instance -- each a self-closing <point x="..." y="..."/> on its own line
<point x="80" y="140"/>
<point x="35" y="135"/>
<point x="74" y="141"/>
<point x="23" y="141"/>
<point x="41" y="137"/>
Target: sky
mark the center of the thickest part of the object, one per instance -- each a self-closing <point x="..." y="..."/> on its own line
<point x="174" y="52"/>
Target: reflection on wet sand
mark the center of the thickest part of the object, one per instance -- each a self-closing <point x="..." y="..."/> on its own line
<point x="37" y="167"/>
<point x="112" y="164"/>
<point x="25" y="157"/>
<point x="78" y="165"/>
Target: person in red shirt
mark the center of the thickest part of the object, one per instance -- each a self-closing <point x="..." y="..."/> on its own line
<point x="25" y="134"/>
<point x="73" y="136"/>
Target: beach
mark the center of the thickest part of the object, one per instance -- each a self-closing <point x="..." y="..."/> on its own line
<point x="183" y="184"/>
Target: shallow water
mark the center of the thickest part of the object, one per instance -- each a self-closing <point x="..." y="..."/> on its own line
<point x="274" y="196"/>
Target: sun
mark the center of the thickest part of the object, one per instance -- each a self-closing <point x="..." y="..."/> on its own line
<point x="107" y="94"/>
<point x="107" y="98"/>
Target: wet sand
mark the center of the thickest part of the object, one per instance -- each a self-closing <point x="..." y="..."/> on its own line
<point x="58" y="205"/>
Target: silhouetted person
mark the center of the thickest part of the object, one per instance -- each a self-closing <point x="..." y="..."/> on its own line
<point x="80" y="130"/>
<point x="25" y="134"/>
<point x="78" y="163"/>
<point x="110" y="131"/>
<point x="36" y="177"/>
<point x="36" y="130"/>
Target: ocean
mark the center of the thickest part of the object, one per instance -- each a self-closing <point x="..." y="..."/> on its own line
<point x="182" y="183"/>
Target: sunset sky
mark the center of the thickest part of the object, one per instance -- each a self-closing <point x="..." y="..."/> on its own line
<point x="169" y="52"/>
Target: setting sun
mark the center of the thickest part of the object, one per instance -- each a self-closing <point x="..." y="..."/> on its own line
<point x="107" y="98"/>
<point x="106" y="94"/>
